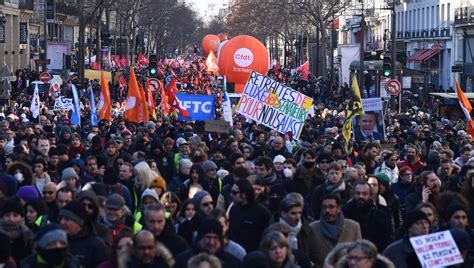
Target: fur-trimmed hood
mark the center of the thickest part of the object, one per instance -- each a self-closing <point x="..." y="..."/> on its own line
<point x="127" y="259"/>
<point x="381" y="262"/>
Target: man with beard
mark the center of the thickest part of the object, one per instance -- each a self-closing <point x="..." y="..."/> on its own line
<point x="375" y="224"/>
<point x="163" y="229"/>
<point x="368" y="155"/>
<point x="431" y="186"/>
<point x="332" y="228"/>
<point x="51" y="249"/>
<point x="411" y="159"/>
<point x="401" y="252"/>
<point x="91" y="205"/>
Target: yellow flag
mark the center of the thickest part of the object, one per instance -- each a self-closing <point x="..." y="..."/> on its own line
<point x="353" y="109"/>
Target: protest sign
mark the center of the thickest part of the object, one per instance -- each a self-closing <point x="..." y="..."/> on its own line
<point x="370" y="125"/>
<point x="63" y="103"/>
<point x="275" y="105"/>
<point x="201" y="107"/>
<point x="220" y="126"/>
<point x="372" y="104"/>
<point x="436" y="249"/>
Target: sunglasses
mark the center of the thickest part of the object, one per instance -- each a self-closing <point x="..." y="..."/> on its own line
<point x="48" y="192"/>
<point x="207" y="204"/>
<point x="233" y="192"/>
<point x="87" y="205"/>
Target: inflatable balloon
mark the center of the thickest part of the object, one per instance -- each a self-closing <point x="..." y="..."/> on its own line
<point x="210" y="43"/>
<point x="220" y="47"/>
<point x="222" y="37"/>
<point x="239" y="57"/>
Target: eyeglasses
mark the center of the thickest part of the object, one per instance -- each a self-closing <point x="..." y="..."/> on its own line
<point x="207" y="204"/>
<point x="48" y="192"/>
<point x="233" y="192"/>
<point x="356" y="258"/>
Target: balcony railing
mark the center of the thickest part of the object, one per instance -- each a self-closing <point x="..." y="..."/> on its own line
<point x="464" y="15"/>
<point x="26" y="4"/>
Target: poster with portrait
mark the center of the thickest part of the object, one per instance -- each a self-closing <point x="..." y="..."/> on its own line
<point x="370" y="125"/>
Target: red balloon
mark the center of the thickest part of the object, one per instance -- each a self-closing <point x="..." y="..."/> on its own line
<point x="210" y="43"/>
<point x="239" y="57"/>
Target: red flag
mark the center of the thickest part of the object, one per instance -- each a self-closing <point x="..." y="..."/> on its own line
<point x="143" y="107"/>
<point x="173" y="100"/>
<point x="132" y="109"/>
<point x="104" y="103"/>
<point x="124" y="62"/>
<point x="117" y="62"/>
<point x="304" y="70"/>
<point x="164" y="101"/>
<point x="151" y="103"/>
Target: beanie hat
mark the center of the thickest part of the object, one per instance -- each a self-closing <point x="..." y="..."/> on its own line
<point x="210" y="225"/>
<point x="412" y="217"/>
<point x="96" y="140"/>
<point x="209" y="165"/>
<point x="433" y="155"/>
<point x="198" y="197"/>
<point x="111" y="176"/>
<point x="5" y="247"/>
<point x="151" y="193"/>
<point x="27" y="193"/>
<point x="383" y="179"/>
<point x="69" y="172"/>
<point x="11" y="184"/>
<point x="49" y="234"/>
<point x="115" y="201"/>
<point x="453" y="207"/>
<point x="462" y="238"/>
<point x="13" y="205"/>
<point x="74" y="211"/>
<point x="279" y="159"/>
<point x="158" y="182"/>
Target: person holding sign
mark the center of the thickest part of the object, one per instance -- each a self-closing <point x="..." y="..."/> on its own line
<point x="401" y="252"/>
<point x="366" y="129"/>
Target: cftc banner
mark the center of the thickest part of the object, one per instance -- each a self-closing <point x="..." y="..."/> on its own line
<point x="201" y="107"/>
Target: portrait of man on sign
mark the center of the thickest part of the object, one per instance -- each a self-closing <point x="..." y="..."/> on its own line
<point x="366" y="127"/>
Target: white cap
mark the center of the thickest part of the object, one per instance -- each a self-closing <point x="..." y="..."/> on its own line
<point x="279" y="159"/>
<point x="151" y="193"/>
<point x="180" y="141"/>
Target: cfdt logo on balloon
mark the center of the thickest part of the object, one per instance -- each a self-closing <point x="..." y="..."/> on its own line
<point x="243" y="57"/>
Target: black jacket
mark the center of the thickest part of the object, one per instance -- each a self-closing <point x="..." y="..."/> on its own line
<point x="32" y="262"/>
<point x="175" y="243"/>
<point x="375" y="224"/>
<point x="87" y="248"/>
<point x="247" y="224"/>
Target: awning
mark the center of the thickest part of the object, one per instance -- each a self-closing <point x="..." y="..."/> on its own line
<point x="469" y="95"/>
<point x="423" y="55"/>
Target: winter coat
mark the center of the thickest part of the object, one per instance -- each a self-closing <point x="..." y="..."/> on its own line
<point x="87" y="248"/>
<point x="247" y="224"/>
<point x="392" y="173"/>
<point x="402" y="254"/>
<point x="350" y="232"/>
<point x="168" y="237"/>
<point x="320" y="191"/>
<point x="33" y="262"/>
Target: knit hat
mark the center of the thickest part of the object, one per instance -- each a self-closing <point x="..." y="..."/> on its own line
<point x="74" y="211"/>
<point x="158" y="182"/>
<point x="68" y="173"/>
<point x="12" y="205"/>
<point x="279" y="159"/>
<point x="453" y="208"/>
<point x="412" y="217"/>
<point x="150" y="124"/>
<point x="181" y="141"/>
<point x="115" y="201"/>
<point x="5" y="247"/>
<point x="209" y="165"/>
<point x="462" y="238"/>
<point x="383" y="179"/>
<point x="111" y="176"/>
<point x="49" y="234"/>
<point x="209" y="225"/>
<point x="151" y="193"/>
<point x="117" y="139"/>
<point x="27" y="193"/>
<point x="11" y="184"/>
<point x="198" y="197"/>
<point x="433" y="155"/>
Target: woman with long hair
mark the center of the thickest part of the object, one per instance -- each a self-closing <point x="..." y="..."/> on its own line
<point x="145" y="175"/>
<point x="276" y="248"/>
<point x="172" y="203"/>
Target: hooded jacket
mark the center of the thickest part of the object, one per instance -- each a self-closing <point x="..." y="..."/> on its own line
<point x="87" y="248"/>
<point x="99" y="228"/>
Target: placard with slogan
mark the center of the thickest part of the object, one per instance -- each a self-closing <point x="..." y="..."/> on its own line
<point x="63" y="103"/>
<point x="436" y="249"/>
<point x="273" y="104"/>
<point x="201" y="107"/>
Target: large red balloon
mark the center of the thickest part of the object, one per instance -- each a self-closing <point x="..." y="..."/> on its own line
<point x="210" y="43"/>
<point x="239" y="57"/>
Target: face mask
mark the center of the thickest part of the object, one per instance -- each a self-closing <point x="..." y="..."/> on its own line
<point x="55" y="256"/>
<point x="308" y="164"/>
<point x="19" y="177"/>
<point x="48" y="129"/>
<point x="287" y="172"/>
<point x="411" y="158"/>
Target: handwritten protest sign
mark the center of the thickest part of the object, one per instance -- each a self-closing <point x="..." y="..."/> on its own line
<point x="372" y="104"/>
<point x="220" y="126"/>
<point x="436" y="249"/>
<point x="275" y="105"/>
<point x="63" y="103"/>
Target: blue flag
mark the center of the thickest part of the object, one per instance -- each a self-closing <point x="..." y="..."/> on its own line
<point x="76" y="112"/>
<point x="94" y="117"/>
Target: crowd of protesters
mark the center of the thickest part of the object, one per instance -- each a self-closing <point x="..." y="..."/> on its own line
<point x="165" y="193"/>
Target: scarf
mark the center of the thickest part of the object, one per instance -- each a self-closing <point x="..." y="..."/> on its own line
<point x="270" y="179"/>
<point x="16" y="231"/>
<point x="293" y="236"/>
<point x="332" y="231"/>
<point x="332" y="188"/>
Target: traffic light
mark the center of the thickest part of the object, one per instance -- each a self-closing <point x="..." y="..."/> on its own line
<point x="387" y="65"/>
<point x="153" y="66"/>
